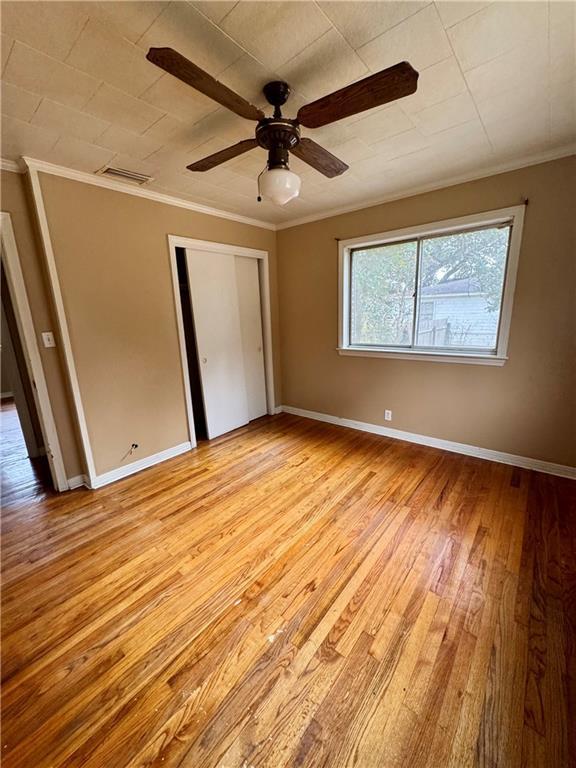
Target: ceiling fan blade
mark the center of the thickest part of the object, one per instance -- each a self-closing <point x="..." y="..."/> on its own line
<point x="319" y="158"/>
<point x="225" y="154"/>
<point x="179" y="66"/>
<point x="373" y="91"/>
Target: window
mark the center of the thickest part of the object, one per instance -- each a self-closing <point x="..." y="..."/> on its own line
<point x="443" y="291"/>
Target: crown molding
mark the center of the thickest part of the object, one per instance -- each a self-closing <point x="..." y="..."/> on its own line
<point x="544" y="157"/>
<point x="11" y="166"/>
<point x="118" y="186"/>
<point x="40" y="166"/>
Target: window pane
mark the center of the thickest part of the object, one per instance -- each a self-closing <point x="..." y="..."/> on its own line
<point x="461" y="281"/>
<point x="383" y="282"/>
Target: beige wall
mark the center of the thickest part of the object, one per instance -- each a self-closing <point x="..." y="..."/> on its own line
<point x="112" y="257"/>
<point x="113" y="262"/>
<point x="16" y="200"/>
<point x="527" y="407"/>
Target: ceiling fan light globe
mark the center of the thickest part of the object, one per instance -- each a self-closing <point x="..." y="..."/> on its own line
<point x="279" y="185"/>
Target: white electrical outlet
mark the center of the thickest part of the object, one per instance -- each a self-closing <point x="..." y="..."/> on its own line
<point x="388" y="415"/>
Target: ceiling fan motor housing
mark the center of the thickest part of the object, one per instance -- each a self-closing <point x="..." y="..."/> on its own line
<point x="278" y="135"/>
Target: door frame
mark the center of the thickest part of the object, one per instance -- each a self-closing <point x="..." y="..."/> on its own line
<point x="30" y="347"/>
<point x="175" y="241"/>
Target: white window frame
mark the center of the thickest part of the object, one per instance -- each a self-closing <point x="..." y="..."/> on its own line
<point x="513" y="216"/>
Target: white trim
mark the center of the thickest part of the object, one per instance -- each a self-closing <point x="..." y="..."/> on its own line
<point x="77" y="482"/>
<point x="29" y="342"/>
<point x="62" y="321"/>
<point x="10" y="165"/>
<point x="137" y="466"/>
<point x="493" y="170"/>
<point x="507" y="302"/>
<point x="4" y="395"/>
<point x="435" y="442"/>
<point x="182" y="343"/>
<point x="471" y="221"/>
<point x="159" y="197"/>
<point x="429" y="357"/>
<point x="208" y="245"/>
<point x="513" y="215"/>
<point x="175" y="241"/>
<point x="264" y="273"/>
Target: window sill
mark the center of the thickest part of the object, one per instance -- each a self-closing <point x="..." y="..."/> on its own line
<point x="436" y="357"/>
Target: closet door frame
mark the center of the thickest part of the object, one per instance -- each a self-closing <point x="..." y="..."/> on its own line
<point x="175" y="241"/>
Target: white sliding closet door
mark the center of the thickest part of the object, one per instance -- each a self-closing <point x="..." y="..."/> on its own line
<point x="251" y="328"/>
<point x="214" y="294"/>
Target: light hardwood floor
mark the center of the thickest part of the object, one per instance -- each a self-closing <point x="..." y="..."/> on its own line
<point x="20" y="477"/>
<point x="293" y="594"/>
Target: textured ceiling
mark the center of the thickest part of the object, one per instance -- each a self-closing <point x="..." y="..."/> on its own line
<point x="497" y="84"/>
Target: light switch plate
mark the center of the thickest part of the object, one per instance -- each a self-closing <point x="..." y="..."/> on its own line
<point x="48" y="339"/>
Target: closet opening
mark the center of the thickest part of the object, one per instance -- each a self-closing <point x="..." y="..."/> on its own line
<point x="220" y="290"/>
<point x="191" y="347"/>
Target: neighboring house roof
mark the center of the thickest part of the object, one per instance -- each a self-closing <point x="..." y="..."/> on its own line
<point x="450" y="287"/>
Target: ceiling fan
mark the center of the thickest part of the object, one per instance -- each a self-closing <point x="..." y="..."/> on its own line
<point x="281" y="135"/>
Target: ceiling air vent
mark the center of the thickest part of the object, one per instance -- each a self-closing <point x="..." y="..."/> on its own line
<point x="123" y="175"/>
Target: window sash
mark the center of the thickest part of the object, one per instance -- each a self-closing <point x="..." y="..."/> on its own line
<point x="351" y="288"/>
<point x="419" y="239"/>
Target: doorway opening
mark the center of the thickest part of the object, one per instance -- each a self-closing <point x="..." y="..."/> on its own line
<point x="25" y="468"/>
<point x="24" y="337"/>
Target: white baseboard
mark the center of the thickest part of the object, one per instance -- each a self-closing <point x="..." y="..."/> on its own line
<point x="6" y="394"/>
<point x="137" y="466"/>
<point x="434" y="442"/>
<point x="77" y="481"/>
